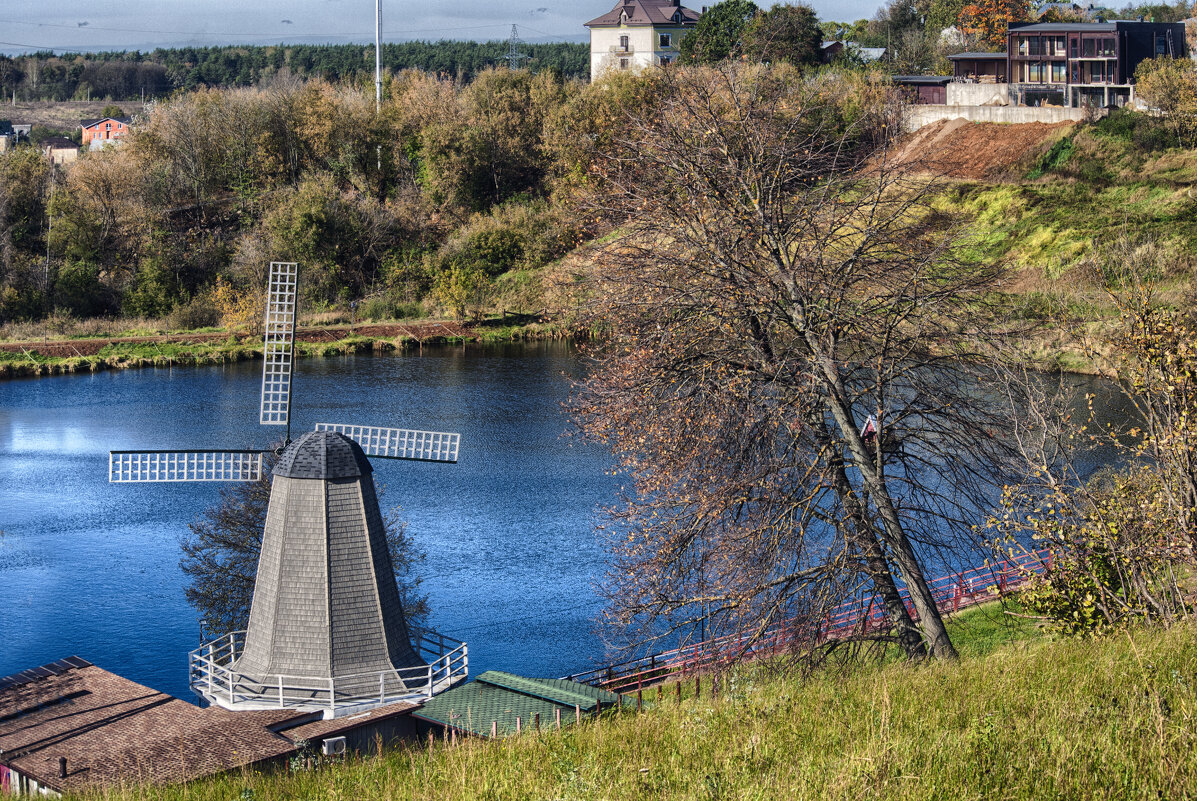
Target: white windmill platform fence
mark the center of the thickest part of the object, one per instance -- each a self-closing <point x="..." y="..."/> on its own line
<point x="214" y="677"/>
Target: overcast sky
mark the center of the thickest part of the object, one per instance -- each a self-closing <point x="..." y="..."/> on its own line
<point x="83" y="25"/>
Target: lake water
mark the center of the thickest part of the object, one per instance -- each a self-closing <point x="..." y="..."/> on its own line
<point x="91" y="568"/>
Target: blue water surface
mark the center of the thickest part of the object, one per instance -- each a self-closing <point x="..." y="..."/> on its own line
<point x="91" y="568"/>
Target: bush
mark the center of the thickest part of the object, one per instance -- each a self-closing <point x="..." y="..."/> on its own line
<point x="387" y="307"/>
<point x="1112" y="553"/>
<point x="199" y="312"/>
<point x="1148" y="134"/>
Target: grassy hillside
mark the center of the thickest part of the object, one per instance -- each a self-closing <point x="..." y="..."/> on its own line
<point x="1032" y="718"/>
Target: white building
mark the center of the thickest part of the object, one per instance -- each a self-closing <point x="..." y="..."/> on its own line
<point x="637" y="34"/>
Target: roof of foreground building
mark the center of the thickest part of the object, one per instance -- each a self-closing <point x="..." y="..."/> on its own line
<point x="646" y="12"/>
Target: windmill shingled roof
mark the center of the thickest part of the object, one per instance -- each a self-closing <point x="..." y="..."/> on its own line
<point x="323" y="455"/>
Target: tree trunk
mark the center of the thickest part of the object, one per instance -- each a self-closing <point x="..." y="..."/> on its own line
<point x="864" y="538"/>
<point x="891" y="526"/>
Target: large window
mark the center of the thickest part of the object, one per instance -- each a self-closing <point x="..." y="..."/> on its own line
<point x="1105" y="47"/>
<point x="1088" y="48"/>
<point x="1034" y="46"/>
<point x="665" y="40"/>
<point x="623" y="43"/>
<point x="1033" y="73"/>
<point x="1055" y="46"/>
<point x="1059" y="72"/>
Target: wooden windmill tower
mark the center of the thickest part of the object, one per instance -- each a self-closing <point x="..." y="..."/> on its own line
<point x="326" y="627"/>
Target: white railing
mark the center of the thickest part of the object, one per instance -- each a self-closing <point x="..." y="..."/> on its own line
<point x="213" y="676"/>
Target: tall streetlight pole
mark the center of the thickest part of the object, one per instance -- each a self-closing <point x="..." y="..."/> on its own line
<point x="377" y="56"/>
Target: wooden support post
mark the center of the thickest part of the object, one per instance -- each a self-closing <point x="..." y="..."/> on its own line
<point x="519" y="726"/>
<point x="453" y="736"/>
<point x="714" y="687"/>
<point x="430" y="739"/>
<point x="494" y="729"/>
<point x="536" y="721"/>
<point x="578" y="713"/>
<point x="639" y="700"/>
<point x="678" y="687"/>
<point x="660" y="689"/>
<point x="558" y="712"/>
<point x="698" y="687"/>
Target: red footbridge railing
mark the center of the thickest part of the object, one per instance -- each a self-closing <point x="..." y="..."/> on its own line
<point x="952" y="593"/>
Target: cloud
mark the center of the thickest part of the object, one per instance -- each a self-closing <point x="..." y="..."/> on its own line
<point x="287" y="22"/>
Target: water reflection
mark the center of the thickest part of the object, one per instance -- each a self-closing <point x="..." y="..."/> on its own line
<point x="92" y="569"/>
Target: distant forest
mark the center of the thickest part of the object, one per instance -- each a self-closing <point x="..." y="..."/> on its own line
<point x="129" y="75"/>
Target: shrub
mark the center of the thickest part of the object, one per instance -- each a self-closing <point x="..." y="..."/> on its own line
<point x="199" y="312"/>
<point x="1146" y="133"/>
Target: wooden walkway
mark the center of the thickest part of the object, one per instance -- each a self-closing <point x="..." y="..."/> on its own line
<point x="952" y="593"/>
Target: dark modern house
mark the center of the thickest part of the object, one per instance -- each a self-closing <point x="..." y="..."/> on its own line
<point x="1078" y="64"/>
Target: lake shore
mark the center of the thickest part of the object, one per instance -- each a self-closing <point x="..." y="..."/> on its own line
<point x="94" y="354"/>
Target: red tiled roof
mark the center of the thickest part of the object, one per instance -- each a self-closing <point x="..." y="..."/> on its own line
<point x="645" y="12"/>
<point x="113" y="730"/>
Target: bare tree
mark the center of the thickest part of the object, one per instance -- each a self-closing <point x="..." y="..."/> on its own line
<point x="793" y="370"/>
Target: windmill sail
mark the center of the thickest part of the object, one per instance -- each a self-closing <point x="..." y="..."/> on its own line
<point x="279" y="344"/>
<point x="400" y="443"/>
<point x="130" y="467"/>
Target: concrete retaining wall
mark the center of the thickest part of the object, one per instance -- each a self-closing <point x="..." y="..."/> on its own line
<point x="918" y="116"/>
<point x="978" y="94"/>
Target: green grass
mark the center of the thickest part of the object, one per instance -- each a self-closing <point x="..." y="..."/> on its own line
<point x="125" y="355"/>
<point x="1017" y="716"/>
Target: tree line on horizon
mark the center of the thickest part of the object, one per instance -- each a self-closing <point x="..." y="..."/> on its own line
<point x="134" y="75"/>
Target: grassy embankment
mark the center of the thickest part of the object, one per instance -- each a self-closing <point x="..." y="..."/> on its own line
<point x="1057" y="219"/>
<point x="1019" y="716"/>
<point x="67" y="354"/>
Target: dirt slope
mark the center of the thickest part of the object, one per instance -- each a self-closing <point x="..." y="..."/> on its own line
<point x="976" y="150"/>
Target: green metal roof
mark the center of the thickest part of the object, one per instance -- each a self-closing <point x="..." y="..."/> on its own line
<point x="500" y="698"/>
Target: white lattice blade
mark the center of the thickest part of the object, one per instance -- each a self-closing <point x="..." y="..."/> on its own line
<point x="279" y="343"/>
<point x="400" y="443"/>
<point x="128" y="467"/>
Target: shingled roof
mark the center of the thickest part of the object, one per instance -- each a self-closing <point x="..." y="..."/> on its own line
<point x="646" y="12"/>
<point x="500" y="698"/>
<point x="112" y="730"/>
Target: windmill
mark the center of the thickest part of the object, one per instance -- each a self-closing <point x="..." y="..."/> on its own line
<point x="326" y="627"/>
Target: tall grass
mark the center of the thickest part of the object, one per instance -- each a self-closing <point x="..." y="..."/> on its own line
<point x="1105" y="718"/>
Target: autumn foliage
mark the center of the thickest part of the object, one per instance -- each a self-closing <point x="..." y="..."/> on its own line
<point x="988" y="20"/>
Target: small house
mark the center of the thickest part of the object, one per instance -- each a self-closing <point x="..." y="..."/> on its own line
<point x="72" y="727"/>
<point x="59" y="150"/>
<point x="638" y="34"/>
<point x="97" y="133"/>
<point x="979" y="67"/>
<point x="497" y="704"/>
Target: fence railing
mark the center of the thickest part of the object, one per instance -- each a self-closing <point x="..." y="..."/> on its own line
<point x="951" y="593"/>
<point x="213" y="676"/>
